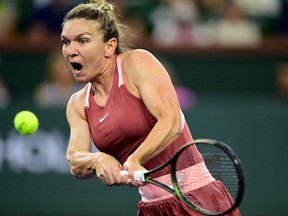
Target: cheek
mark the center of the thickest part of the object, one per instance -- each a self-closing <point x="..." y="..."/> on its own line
<point x="64" y="53"/>
<point x="93" y="57"/>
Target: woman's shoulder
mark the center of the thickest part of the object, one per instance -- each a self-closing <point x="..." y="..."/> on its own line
<point x="76" y="103"/>
<point x="136" y="58"/>
<point x="137" y="53"/>
<point x="79" y="96"/>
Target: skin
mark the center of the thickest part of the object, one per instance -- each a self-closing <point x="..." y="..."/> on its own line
<point x="144" y="77"/>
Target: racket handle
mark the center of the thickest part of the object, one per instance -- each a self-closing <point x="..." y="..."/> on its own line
<point x="138" y="175"/>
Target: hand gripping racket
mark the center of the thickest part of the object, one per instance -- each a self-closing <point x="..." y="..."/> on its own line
<point x="222" y="163"/>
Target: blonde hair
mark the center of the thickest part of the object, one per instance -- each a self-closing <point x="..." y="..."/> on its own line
<point x="103" y="13"/>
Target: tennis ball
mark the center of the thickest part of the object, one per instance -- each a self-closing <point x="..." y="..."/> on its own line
<point x="26" y="122"/>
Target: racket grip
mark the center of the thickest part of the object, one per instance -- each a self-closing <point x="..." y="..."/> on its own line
<point x="138" y="175"/>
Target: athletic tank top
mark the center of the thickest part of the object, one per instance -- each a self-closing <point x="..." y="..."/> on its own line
<point x="123" y="124"/>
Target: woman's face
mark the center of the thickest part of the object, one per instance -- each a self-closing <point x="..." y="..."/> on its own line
<point x="83" y="48"/>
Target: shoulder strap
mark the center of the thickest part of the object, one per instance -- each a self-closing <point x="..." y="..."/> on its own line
<point x="89" y="85"/>
<point x="120" y="75"/>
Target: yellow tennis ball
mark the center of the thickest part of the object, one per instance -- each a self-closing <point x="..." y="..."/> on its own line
<point x="26" y="122"/>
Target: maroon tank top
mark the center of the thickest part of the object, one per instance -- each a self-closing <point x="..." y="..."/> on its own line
<point x="123" y="124"/>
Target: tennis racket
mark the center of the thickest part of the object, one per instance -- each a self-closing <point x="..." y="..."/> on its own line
<point x="222" y="163"/>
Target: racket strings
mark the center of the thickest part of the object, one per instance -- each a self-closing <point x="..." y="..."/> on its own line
<point x="193" y="174"/>
<point x="194" y="182"/>
<point x="221" y="167"/>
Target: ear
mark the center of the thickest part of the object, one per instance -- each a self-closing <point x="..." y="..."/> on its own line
<point x="110" y="47"/>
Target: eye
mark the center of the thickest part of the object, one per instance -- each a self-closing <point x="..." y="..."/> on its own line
<point x="64" y="42"/>
<point x="83" y="41"/>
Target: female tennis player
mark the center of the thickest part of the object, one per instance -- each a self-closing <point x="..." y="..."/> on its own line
<point x="130" y="109"/>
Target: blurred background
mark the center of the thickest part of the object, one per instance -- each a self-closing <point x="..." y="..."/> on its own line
<point x="229" y="63"/>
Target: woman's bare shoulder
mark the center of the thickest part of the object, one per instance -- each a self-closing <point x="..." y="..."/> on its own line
<point x="77" y="100"/>
<point x="137" y="54"/>
<point x="137" y="60"/>
<point x="81" y="94"/>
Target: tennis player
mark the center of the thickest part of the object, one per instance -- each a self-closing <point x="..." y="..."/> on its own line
<point x="130" y="109"/>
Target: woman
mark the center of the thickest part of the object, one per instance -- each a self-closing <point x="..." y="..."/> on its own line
<point x="129" y="107"/>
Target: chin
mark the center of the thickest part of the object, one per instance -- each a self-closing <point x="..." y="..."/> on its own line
<point x="81" y="79"/>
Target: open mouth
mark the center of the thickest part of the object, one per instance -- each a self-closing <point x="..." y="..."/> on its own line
<point x="76" y="66"/>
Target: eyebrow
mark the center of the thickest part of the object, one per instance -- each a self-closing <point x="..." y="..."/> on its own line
<point x="77" y="36"/>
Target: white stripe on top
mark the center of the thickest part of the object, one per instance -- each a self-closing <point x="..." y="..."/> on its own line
<point x="120" y="75"/>
<point x="87" y="94"/>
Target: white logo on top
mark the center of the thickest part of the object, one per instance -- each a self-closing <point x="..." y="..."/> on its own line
<point x="103" y="118"/>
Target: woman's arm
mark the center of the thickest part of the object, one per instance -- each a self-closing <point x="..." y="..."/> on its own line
<point x="83" y="163"/>
<point x="78" y="152"/>
<point x="154" y="86"/>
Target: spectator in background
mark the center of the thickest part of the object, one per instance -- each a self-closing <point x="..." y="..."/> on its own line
<point x="282" y="81"/>
<point x="203" y="23"/>
<point x="216" y="20"/>
<point x="59" y="84"/>
<point x="234" y="29"/>
<point x="5" y="96"/>
<point x="264" y="12"/>
<point x="7" y="19"/>
<point x="173" y="22"/>
<point x="38" y="22"/>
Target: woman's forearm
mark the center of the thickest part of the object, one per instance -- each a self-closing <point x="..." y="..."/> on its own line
<point x="81" y="164"/>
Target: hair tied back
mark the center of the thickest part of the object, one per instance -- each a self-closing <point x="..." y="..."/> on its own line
<point x="98" y="2"/>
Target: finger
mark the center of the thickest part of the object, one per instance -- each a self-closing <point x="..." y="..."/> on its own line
<point x="117" y="177"/>
<point x="103" y="179"/>
<point x="137" y="183"/>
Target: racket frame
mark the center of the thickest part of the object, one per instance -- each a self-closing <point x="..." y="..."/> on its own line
<point x="237" y="165"/>
<point x="176" y="189"/>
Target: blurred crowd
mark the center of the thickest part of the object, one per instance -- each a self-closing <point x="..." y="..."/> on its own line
<point x="165" y="22"/>
<point x="209" y="22"/>
<point x="32" y="23"/>
<point x="36" y="25"/>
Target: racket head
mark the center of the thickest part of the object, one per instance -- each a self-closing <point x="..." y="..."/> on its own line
<point x="223" y="164"/>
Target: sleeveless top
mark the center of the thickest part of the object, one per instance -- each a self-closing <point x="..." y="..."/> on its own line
<point x="123" y="124"/>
